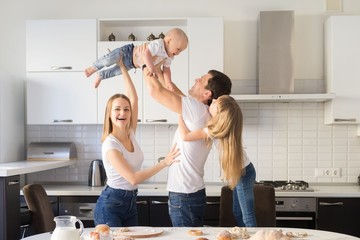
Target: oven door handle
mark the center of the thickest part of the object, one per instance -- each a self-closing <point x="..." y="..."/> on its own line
<point x="331" y="204"/>
<point x="295" y="218"/>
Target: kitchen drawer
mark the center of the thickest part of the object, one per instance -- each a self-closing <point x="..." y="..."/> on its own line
<point x="212" y="211"/>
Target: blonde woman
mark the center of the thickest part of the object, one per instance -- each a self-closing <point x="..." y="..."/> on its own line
<point x="225" y="130"/>
<point x="122" y="158"/>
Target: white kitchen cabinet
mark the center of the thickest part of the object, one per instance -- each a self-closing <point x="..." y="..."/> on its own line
<point x="342" y="69"/>
<point x="60" y="44"/>
<point x="150" y="111"/>
<point x="205" y="52"/>
<point x="111" y="86"/>
<point x="206" y="46"/>
<point x="60" y="98"/>
<point x="57" y="52"/>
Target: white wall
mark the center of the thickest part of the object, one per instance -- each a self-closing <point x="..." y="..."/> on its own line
<point x="276" y="146"/>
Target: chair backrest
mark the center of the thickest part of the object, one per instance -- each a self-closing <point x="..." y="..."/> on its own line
<point x="265" y="211"/>
<point x="40" y="207"/>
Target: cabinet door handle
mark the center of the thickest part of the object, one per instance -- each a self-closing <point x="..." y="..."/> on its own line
<point x="62" y="120"/>
<point x="13" y="183"/>
<point x="61" y="68"/>
<point x="331" y="204"/>
<point x="213" y="203"/>
<point x="85" y="209"/>
<point x="345" y="119"/>
<point x="295" y="218"/>
<point x="141" y="202"/>
<point x="158" y="202"/>
<point x="156" y="120"/>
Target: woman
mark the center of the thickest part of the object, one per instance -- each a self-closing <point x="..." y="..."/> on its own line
<point x="122" y="158"/>
<point x="225" y="129"/>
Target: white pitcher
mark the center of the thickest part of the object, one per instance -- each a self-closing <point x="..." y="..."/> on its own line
<point x="66" y="229"/>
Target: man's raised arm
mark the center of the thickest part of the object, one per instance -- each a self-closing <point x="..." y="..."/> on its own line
<point x="169" y="99"/>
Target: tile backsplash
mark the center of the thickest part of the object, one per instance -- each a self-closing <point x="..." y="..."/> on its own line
<point x="285" y="141"/>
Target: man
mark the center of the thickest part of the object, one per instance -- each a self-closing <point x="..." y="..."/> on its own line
<point x="187" y="197"/>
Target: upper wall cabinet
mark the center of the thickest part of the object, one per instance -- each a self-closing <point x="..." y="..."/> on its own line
<point x="58" y="51"/>
<point x="60" y="45"/>
<point x="60" y="98"/>
<point x="192" y="63"/>
<point x="206" y="46"/>
<point x="342" y="69"/>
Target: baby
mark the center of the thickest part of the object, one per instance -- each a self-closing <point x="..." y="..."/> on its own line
<point x="150" y="54"/>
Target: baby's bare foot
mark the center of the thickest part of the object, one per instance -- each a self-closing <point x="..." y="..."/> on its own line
<point x="97" y="81"/>
<point x="89" y="71"/>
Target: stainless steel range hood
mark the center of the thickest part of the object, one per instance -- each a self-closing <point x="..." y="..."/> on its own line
<point x="51" y="151"/>
<point x="276" y="52"/>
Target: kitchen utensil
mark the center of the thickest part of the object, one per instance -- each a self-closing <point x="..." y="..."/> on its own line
<point x="65" y="228"/>
<point x="97" y="174"/>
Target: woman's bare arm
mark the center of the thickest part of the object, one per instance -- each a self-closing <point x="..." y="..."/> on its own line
<point x="188" y="135"/>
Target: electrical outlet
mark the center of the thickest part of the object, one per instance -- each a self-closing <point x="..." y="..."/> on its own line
<point x="336" y="172"/>
<point x="328" y="172"/>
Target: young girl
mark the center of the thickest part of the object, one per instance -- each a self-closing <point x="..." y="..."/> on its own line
<point x="122" y="159"/>
<point x="225" y="130"/>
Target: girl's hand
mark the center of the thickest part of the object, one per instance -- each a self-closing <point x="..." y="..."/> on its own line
<point x="170" y="157"/>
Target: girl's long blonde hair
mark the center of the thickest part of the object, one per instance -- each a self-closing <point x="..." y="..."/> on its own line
<point x="227" y="126"/>
<point x="108" y="126"/>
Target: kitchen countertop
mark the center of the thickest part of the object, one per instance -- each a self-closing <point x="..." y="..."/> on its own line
<point x="24" y="167"/>
<point x="212" y="190"/>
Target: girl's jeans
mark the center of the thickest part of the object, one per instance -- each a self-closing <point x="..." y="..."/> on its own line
<point x="187" y="210"/>
<point x="116" y="208"/>
<point x="112" y="58"/>
<point x="243" y="199"/>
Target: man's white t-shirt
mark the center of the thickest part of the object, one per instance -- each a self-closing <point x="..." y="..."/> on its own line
<point x="135" y="160"/>
<point x="187" y="175"/>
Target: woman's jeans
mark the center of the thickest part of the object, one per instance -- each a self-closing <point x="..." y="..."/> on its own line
<point x="187" y="210"/>
<point x="112" y="58"/>
<point x="116" y="208"/>
<point x="243" y="199"/>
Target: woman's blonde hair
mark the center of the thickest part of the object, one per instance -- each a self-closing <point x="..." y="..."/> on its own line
<point x="226" y="126"/>
<point x="108" y="126"/>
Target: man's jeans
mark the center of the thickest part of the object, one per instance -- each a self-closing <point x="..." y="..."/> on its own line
<point x="187" y="210"/>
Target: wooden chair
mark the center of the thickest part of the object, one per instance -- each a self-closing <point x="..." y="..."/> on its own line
<point x="264" y="206"/>
<point x="41" y="211"/>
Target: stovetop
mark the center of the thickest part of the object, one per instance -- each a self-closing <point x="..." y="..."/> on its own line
<point x="298" y="186"/>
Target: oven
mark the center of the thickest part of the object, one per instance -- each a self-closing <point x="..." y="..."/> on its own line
<point x="294" y="212"/>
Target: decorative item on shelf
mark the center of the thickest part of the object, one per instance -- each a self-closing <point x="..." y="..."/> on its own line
<point x="151" y="37"/>
<point x="111" y="37"/>
<point x="162" y="35"/>
<point x="131" y="37"/>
